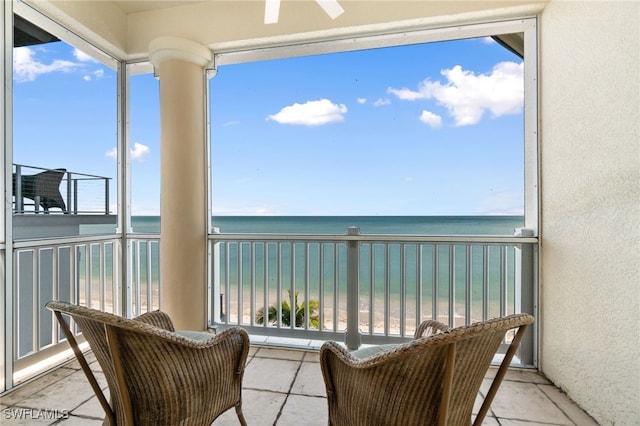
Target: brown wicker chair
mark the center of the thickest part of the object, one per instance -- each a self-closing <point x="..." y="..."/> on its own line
<point x="156" y="376"/>
<point x="430" y="380"/>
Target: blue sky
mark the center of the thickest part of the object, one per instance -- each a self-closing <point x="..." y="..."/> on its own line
<point x="432" y="129"/>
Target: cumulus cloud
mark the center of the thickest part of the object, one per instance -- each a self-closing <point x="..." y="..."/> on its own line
<point x="467" y="95"/>
<point x="407" y="94"/>
<point x="139" y="152"/>
<point x="99" y="73"/>
<point x="362" y="100"/>
<point x="311" y="113"/>
<point x="27" y="68"/>
<point x="82" y="57"/>
<point x="382" y="102"/>
<point x="433" y="120"/>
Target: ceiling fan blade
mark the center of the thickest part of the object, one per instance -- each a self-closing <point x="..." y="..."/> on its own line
<point x="271" y="11"/>
<point x="331" y="7"/>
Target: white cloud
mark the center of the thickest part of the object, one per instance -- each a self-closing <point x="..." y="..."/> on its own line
<point x="406" y="94"/>
<point x="112" y="153"/>
<point x="433" y="120"/>
<point x="27" y="68"/>
<point x="311" y="113"/>
<point x="362" y="100"/>
<point x="138" y="153"/>
<point x="467" y="95"/>
<point x="82" y="57"/>
<point x="382" y="102"/>
<point x="99" y="73"/>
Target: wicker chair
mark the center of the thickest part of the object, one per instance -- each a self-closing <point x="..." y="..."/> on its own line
<point x="157" y="376"/>
<point x="43" y="188"/>
<point x="430" y="380"/>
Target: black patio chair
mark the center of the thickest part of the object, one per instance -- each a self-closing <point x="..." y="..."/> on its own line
<point x="43" y="188"/>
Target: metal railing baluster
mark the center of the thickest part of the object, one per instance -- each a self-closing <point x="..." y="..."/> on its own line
<point x="507" y="278"/>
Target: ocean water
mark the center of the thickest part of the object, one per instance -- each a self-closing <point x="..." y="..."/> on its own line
<point x="395" y="225"/>
<point x="439" y="272"/>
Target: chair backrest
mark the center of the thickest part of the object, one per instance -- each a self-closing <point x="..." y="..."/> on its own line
<point x="142" y="360"/>
<point x="430" y="380"/>
<point x="93" y="324"/>
<point x="45" y="186"/>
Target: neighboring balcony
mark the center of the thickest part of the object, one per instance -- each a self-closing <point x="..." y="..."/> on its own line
<point x="58" y="202"/>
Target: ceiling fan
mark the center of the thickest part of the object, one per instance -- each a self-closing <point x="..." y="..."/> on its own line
<point x="272" y="9"/>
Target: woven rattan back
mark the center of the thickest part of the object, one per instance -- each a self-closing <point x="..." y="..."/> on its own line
<point x="155" y="375"/>
<point x="428" y="381"/>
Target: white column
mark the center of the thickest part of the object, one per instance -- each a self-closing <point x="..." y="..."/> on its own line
<point x="180" y="66"/>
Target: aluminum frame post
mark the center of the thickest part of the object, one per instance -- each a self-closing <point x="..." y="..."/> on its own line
<point x="525" y="296"/>
<point x="352" y="336"/>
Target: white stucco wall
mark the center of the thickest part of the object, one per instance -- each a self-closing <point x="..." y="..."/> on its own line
<point x="590" y="172"/>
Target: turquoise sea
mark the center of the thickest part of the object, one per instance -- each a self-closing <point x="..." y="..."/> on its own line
<point x="398" y="225"/>
<point x="377" y="280"/>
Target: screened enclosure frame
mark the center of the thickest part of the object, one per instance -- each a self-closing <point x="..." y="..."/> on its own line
<point x="124" y="69"/>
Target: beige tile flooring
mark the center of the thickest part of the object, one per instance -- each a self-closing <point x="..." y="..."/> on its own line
<point x="281" y="387"/>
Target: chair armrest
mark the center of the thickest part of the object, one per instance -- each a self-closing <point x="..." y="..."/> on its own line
<point x="158" y="319"/>
<point x="429" y="328"/>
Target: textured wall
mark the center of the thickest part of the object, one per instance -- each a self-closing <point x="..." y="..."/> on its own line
<point x="590" y="162"/>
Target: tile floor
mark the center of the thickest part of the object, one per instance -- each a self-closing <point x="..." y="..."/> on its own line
<point x="281" y="387"/>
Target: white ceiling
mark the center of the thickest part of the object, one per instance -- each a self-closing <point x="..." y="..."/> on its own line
<point x="138" y="6"/>
<point x="124" y="28"/>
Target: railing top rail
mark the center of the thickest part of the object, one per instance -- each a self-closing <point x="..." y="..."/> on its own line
<point x="377" y="238"/>
<point x="143" y="236"/>
<point x="87" y="177"/>
<point x="49" y="242"/>
<point x="69" y="172"/>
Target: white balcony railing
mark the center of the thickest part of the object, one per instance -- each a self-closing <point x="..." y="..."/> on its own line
<point x="368" y="288"/>
<point x="365" y="288"/>
<point x="85" y="270"/>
